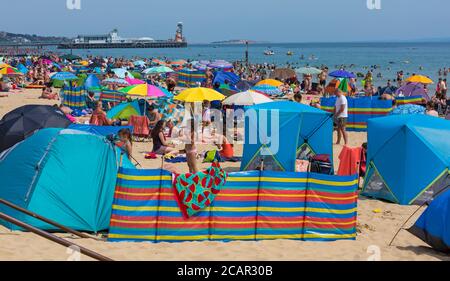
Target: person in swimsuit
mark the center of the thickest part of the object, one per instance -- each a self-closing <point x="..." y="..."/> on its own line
<point x="160" y="144"/>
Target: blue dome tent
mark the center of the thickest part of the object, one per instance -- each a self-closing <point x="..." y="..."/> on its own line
<point x="303" y="131"/>
<point x="408" y="158"/>
<point x="66" y="175"/>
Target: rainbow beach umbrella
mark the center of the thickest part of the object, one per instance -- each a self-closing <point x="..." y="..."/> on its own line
<point x="143" y="90"/>
<point x="10" y="71"/>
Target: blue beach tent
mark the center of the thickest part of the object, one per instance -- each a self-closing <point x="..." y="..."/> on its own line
<point x="66" y="175"/>
<point x="303" y="131"/>
<point x="408" y="158"/>
<point x="433" y="226"/>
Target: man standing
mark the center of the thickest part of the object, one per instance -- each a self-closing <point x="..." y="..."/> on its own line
<point x="340" y="115"/>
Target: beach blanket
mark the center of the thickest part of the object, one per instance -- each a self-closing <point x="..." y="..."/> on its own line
<point x="196" y="191"/>
<point x="250" y="206"/>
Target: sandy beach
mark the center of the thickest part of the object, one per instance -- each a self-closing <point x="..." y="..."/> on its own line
<point x="377" y="224"/>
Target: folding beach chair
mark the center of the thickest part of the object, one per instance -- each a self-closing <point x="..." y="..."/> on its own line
<point x="141" y="130"/>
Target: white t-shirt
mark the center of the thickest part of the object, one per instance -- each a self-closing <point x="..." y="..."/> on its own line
<point x="342" y="100"/>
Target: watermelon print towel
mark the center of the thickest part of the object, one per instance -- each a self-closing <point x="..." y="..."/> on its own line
<point x="196" y="191"/>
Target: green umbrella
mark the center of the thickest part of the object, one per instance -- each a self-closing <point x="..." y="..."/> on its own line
<point x="343" y="85"/>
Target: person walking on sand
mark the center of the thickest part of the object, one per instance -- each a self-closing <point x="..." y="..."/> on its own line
<point x="340" y="115"/>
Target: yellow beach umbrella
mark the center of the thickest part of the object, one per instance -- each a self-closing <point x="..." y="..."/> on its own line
<point x="271" y="82"/>
<point x="199" y="94"/>
<point x="84" y="63"/>
<point x="2" y="65"/>
<point x="419" y="79"/>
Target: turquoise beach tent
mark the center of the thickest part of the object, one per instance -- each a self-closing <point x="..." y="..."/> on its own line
<point x="65" y="175"/>
<point x="408" y="158"/>
<point x="303" y="131"/>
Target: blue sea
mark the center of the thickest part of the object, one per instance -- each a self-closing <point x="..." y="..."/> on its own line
<point x="423" y="58"/>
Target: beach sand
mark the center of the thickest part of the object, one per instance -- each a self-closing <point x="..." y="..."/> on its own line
<point x="375" y="229"/>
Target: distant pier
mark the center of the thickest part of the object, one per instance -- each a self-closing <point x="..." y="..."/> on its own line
<point x="123" y="45"/>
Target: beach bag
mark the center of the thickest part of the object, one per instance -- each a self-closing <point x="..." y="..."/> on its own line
<point x="211" y="156"/>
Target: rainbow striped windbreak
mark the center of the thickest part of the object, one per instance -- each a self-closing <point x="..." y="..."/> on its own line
<point x="190" y="78"/>
<point x="74" y="97"/>
<point x="409" y="100"/>
<point x="360" y="110"/>
<point x="251" y="206"/>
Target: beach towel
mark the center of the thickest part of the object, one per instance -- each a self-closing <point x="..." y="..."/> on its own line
<point x="177" y="159"/>
<point x="350" y="159"/>
<point x="196" y="191"/>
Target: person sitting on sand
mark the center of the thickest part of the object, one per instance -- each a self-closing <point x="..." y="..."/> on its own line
<point x="47" y="93"/>
<point x="160" y="144"/>
<point x="99" y="118"/>
<point x="125" y="142"/>
<point x="298" y="98"/>
<point x="226" y="147"/>
<point x="431" y="109"/>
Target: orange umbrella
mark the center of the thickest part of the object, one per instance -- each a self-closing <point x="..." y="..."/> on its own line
<point x="271" y="82"/>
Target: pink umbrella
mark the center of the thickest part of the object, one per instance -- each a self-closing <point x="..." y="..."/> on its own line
<point x="134" y="81"/>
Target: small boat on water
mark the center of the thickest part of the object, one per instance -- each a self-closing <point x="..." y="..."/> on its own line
<point x="269" y="52"/>
<point x="290" y="53"/>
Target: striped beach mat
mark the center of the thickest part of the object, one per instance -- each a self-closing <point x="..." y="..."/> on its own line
<point x="251" y="206"/>
<point x="360" y="110"/>
<point x="74" y="97"/>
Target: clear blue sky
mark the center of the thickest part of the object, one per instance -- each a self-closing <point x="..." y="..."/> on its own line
<point x="210" y="20"/>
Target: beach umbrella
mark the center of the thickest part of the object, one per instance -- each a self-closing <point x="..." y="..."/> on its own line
<point x="270" y="82"/>
<point x="308" y="70"/>
<point x="419" y="79"/>
<point x="116" y="81"/>
<point x="267" y="89"/>
<point x="343" y="85"/>
<point x="63" y="75"/>
<point x="283" y="73"/>
<point x="220" y="64"/>
<point x="140" y="63"/>
<point x="412" y="89"/>
<point x="134" y="81"/>
<point x="342" y="74"/>
<point x="3" y="65"/>
<point x="10" y="71"/>
<point x="143" y="90"/>
<point x="178" y="62"/>
<point x="199" y="94"/>
<point x="158" y="70"/>
<point x="92" y="83"/>
<point x="246" y="98"/>
<point x="70" y="57"/>
<point x="23" y="121"/>
<point x="122" y="72"/>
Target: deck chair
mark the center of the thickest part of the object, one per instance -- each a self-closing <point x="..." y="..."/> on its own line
<point x="141" y="130"/>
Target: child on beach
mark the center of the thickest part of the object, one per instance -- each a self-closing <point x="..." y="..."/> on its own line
<point x="125" y="142"/>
